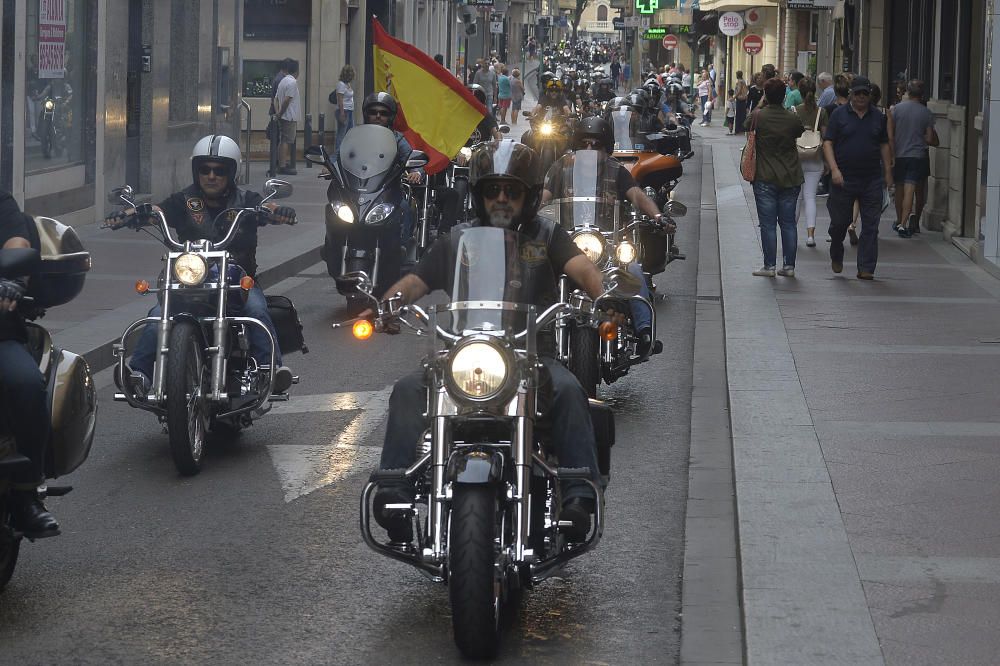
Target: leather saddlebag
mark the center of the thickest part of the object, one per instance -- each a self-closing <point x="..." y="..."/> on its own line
<point x="287" y="324"/>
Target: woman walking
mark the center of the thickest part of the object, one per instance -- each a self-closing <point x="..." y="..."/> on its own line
<point x="742" y="92"/>
<point x="504" y="93"/>
<point x="707" y="94"/>
<point x="344" y="95"/>
<point x="517" y="94"/>
<point x="778" y="179"/>
<point x="812" y="117"/>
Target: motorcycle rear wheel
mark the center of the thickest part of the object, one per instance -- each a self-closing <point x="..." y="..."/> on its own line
<point x="10" y="547"/>
<point x="475" y="587"/>
<point x="584" y="359"/>
<point x="187" y="421"/>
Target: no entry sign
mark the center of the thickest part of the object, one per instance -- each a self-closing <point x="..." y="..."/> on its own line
<point x="753" y="44"/>
<point x="670" y="41"/>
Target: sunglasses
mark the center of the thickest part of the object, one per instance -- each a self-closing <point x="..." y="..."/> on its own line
<point x="590" y="143"/>
<point x="205" y="169"/>
<point x="512" y="190"/>
<point x="866" y="93"/>
<point x="378" y="114"/>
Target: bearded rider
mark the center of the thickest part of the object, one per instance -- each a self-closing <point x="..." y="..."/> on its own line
<point x="596" y="134"/>
<point x="505" y="196"/>
<point x="22" y="387"/>
<point x="194" y="213"/>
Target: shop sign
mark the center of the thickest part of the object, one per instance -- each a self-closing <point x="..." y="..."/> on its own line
<point x="51" y="39"/>
<point x="812" y="4"/>
<point x="654" y="34"/>
<point x="731" y="24"/>
<point x="618" y="23"/>
<point x="647" y="6"/>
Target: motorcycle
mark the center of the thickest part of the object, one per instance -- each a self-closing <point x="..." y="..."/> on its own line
<point x="366" y="201"/>
<point x="52" y="123"/>
<point x="487" y="507"/>
<point x="204" y="378"/>
<point x="57" y="277"/>
<point x="549" y="136"/>
<point x="612" y="240"/>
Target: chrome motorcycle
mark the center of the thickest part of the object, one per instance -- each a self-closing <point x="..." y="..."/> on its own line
<point x="487" y="507"/>
<point x="204" y="378"/>
<point x="56" y="278"/>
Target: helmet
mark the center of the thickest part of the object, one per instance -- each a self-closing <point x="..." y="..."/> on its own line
<point x="507" y="160"/>
<point x="547" y="78"/>
<point x="594" y="128"/>
<point x="381" y="99"/>
<point x="217" y="148"/>
<point x="479" y="92"/>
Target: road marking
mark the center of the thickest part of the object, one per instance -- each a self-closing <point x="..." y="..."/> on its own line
<point x="306" y="468"/>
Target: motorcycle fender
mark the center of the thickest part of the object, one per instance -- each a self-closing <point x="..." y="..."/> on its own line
<point x="73" y="405"/>
<point x="475" y="467"/>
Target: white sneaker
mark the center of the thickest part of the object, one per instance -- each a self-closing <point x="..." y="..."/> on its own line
<point x="766" y="271"/>
<point x="810" y="242"/>
<point x="787" y="271"/>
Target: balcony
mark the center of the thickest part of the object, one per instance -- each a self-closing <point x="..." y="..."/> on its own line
<point x="599" y="26"/>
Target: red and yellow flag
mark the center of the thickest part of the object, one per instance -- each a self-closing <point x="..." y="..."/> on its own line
<point x="437" y="114"/>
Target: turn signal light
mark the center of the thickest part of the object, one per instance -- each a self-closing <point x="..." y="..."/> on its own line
<point x="608" y="330"/>
<point x="141" y="286"/>
<point x="246" y="283"/>
<point x="362" y="329"/>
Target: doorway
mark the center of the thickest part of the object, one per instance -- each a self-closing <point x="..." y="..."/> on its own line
<point x="133" y="93"/>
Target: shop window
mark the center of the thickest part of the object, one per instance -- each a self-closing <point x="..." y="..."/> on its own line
<point x="813" y="28"/>
<point x="258" y="77"/>
<point x="953" y="57"/>
<point x="278" y="19"/>
<point x="184" y="60"/>
<point x="602" y="12"/>
<point x="60" y="75"/>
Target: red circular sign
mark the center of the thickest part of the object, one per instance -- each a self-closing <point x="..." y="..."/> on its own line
<point x="753" y="44"/>
<point x="670" y="41"/>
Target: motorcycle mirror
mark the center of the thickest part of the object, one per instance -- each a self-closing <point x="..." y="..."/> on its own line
<point x="277" y="189"/>
<point x="504" y="129"/>
<point x="354" y="282"/>
<point x="418" y="159"/>
<point x="116" y="195"/>
<point x="656" y="136"/>
<point x="620" y="284"/>
<point x="18" y="262"/>
<point x="317" y="155"/>
<point x="675" y="208"/>
<point x="526" y="114"/>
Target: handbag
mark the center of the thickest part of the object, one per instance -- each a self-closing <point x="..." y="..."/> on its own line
<point x="748" y="159"/>
<point x="811" y="141"/>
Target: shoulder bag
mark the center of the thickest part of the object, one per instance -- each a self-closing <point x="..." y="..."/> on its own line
<point x="748" y="160"/>
<point x="811" y="141"/>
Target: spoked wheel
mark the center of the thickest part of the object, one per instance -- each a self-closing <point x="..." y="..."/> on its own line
<point x="584" y="361"/>
<point x="10" y="547"/>
<point x="475" y="584"/>
<point x="187" y="420"/>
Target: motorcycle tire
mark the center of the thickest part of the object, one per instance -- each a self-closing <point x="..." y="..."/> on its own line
<point x="584" y="358"/>
<point x="356" y="303"/>
<point x="474" y="587"/>
<point x="10" y="547"/>
<point x="187" y="421"/>
<point x="45" y="136"/>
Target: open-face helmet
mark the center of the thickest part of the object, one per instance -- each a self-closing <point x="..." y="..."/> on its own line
<point x="594" y="128"/>
<point x="381" y="99"/>
<point x="506" y="160"/>
<point x="217" y="148"/>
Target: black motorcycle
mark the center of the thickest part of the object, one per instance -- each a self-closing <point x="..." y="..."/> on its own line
<point x="52" y="125"/>
<point x="549" y="136"/>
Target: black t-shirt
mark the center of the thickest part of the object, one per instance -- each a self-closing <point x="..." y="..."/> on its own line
<point x="12" y="225"/>
<point x="484" y="130"/>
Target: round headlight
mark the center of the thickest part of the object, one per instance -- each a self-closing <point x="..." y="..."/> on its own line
<point x="546" y="128"/>
<point x="49" y="105"/>
<point x="466" y="152"/>
<point x="343" y="212"/>
<point x="190" y="269"/>
<point x="478" y="370"/>
<point x="626" y="252"/>
<point x="591" y="244"/>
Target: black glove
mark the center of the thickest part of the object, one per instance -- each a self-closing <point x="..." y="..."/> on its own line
<point x="12" y="290"/>
<point x="115" y="220"/>
<point x="283" y="215"/>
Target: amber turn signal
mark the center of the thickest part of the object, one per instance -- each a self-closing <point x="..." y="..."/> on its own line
<point x="246" y="283"/>
<point x="363" y="329"/>
<point x="608" y="330"/>
<point x="141" y="286"/>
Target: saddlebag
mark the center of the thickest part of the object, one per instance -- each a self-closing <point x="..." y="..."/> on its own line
<point x="73" y="404"/>
<point x="603" y="420"/>
<point x="287" y="324"/>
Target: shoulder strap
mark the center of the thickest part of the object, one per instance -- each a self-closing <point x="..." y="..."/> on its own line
<point x="819" y="110"/>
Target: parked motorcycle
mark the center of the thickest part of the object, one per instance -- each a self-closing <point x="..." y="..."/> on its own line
<point x="51" y="128"/>
<point x="366" y="201"/>
<point x="57" y="277"/>
<point x="488" y="497"/>
<point x="204" y="378"/>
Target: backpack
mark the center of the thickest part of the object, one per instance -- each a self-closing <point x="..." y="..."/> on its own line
<point x="811" y="141"/>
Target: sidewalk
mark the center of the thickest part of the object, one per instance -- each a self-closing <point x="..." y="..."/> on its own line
<point x="865" y="421"/>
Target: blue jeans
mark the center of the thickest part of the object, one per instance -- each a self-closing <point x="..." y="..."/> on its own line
<point x="868" y="194"/>
<point x="342" y="128"/>
<point x="776" y="208"/>
<point x="260" y="347"/>
<point x="642" y="318"/>
<point x="25" y="403"/>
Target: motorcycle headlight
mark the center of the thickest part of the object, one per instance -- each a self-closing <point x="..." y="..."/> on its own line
<point x="343" y="212"/>
<point x="379" y="213"/>
<point x="466" y="152"/>
<point x="546" y="129"/>
<point x="591" y="244"/>
<point x="478" y="370"/>
<point x="190" y="269"/>
<point x="625" y="252"/>
<point x="49" y="105"/>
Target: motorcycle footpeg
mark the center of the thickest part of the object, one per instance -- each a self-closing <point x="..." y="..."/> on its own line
<point x="569" y="473"/>
<point x="58" y="491"/>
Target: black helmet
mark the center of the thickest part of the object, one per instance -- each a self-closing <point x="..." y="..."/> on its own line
<point x="381" y="99"/>
<point x="594" y="128"/>
<point x="505" y="160"/>
<point x="479" y="92"/>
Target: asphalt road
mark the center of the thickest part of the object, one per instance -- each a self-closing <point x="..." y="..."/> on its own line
<point x="259" y="559"/>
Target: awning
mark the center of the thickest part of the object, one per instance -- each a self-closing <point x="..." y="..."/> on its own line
<point x="735" y="5"/>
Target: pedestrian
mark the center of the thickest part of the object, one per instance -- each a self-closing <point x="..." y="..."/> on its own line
<point x="741" y="94"/>
<point x="792" y="96"/>
<point x="912" y="134"/>
<point x="706" y="93"/>
<point x="730" y="111"/>
<point x="778" y="179"/>
<point x="517" y="94"/>
<point x="824" y="88"/>
<point x="626" y="74"/>
<point x="813" y="118"/>
<point x="504" y="93"/>
<point x="487" y="78"/>
<point x="712" y="75"/>
<point x="856" y="148"/>
<point x="756" y="92"/>
<point x="287" y="109"/>
<point x="616" y="73"/>
<point x="841" y="91"/>
<point x="343" y="97"/>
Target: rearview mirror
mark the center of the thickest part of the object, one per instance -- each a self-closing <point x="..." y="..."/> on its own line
<point x="620" y="284"/>
<point x="675" y="208"/>
<point x="277" y="189"/>
<point x="317" y="155"/>
<point x="418" y="159"/>
<point x="354" y="282"/>
<point x="504" y="129"/>
<point x="116" y="195"/>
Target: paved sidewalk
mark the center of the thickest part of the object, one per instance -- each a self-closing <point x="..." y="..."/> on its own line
<point x="866" y="424"/>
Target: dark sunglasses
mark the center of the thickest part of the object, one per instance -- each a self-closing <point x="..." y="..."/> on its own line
<point x="866" y="93"/>
<point x="512" y="190"/>
<point x="205" y="169"/>
<point x="376" y="113"/>
<point x="590" y="143"/>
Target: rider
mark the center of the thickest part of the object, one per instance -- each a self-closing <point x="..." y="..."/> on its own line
<point x="596" y="134"/>
<point x="215" y="163"/>
<point x="553" y="96"/>
<point x="605" y="90"/>
<point x="22" y="387"/>
<point x="502" y="177"/>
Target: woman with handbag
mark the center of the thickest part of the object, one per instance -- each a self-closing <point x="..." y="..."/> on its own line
<point x="777" y="178"/>
<point x="742" y="94"/>
<point x="810" y="148"/>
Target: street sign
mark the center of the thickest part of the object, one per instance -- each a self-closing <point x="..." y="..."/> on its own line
<point x="731" y="24"/>
<point x="496" y="27"/>
<point x="631" y="21"/>
<point x="670" y="41"/>
<point x="753" y="44"/>
<point x="618" y="23"/>
<point x="482" y="3"/>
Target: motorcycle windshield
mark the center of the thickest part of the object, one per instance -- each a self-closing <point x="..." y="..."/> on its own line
<point x="626" y="125"/>
<point x="367" y="155"/>
<point x="584" y="192"/>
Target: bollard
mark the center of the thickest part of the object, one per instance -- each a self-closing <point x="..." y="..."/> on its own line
<point x="273" y="165"/>
<point x="322" y="130"/>
<point x="292" y="150"/>
<point x="308" y="136"/>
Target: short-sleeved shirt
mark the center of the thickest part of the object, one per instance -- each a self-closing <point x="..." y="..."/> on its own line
<point x="827" y="96"/>
<point x="288" y="88"/>
<point x="777" y="157"/>
<point x="911" y="120"/>
<point x="488" y="80"/>
<point x="792" y="98"/>
<point x="857" y="142"/>
<point x="484" y="130"/>
<point x="347" y="91"/>
<point x="13" y="224"/>
<point x="503" y="87"/>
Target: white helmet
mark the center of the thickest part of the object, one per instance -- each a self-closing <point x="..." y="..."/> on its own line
<point x="217" y="148"/>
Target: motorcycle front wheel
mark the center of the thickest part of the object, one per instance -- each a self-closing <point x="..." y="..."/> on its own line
<point x="584" y="358"/>
<point x="44" y="131"/>
<point x="10" y="547"/>
<point x="475" y="587"/>
<point x="186" y="413"/>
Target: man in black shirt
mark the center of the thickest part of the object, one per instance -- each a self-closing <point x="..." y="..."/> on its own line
<point x="502" y="179"/>
<point x="23" y="399"/>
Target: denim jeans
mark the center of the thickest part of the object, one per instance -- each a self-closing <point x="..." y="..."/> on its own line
<point x="642" y="318"/>
<point x="25" y="404"/>
<point x="260" y="347"/>
<point x="840" y="204"/>
<point x="706" y="116"/>
<point x="342" y="129"/>
<point x="776" y="208"/>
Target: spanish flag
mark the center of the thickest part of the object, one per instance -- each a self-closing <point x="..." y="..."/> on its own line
<point x="437" y="114"/>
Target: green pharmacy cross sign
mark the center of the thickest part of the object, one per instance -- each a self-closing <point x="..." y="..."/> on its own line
<point x="647" y="6"/>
